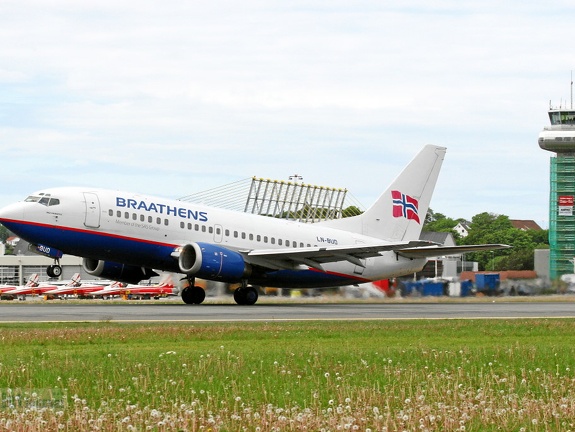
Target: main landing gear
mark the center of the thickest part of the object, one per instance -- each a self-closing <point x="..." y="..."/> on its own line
<point x="55" y="270"/>
<point x="193" y="294"/>
<point x="246" y="295"/>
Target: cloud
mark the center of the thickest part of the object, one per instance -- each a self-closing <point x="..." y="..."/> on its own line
<point x="174" y="97"/>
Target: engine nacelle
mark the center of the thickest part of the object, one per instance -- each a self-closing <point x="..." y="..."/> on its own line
<point x="209" y="261"/>
<point x="116" y="271"/>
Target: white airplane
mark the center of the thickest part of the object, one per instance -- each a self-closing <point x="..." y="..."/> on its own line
<point x="124" y="236"/>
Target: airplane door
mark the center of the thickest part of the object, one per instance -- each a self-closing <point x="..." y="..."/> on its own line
<point x="218" y="233"/>
<point x="92" y="210"/>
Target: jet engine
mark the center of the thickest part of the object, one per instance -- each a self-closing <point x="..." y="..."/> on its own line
<point x="116" y="271"/>
<point x="209" y="261"/>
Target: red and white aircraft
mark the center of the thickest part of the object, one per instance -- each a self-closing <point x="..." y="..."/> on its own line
<point x="76" y="287"/>
<point x="4" y="288"/>
<point x="32" y="287"/>
<point x="164" y="288"/>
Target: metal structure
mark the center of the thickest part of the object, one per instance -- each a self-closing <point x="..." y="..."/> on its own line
<point x="560" y="139"/>
<point x="281" y="199"/>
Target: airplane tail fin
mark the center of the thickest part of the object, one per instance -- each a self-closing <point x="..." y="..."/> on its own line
<point x="75" y="281"/>
<point x="399" y="213"/>
<point x="34" y="280"/>
<point x="167" y="282"/>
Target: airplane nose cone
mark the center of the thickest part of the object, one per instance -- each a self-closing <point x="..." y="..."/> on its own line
<point x="11" y="212"/>
<point x="11" y="216"/>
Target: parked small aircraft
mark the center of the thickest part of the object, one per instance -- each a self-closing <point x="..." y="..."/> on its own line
<point x="125" y="236"/>
<point x="76" y="287"/>
<point x="32" y="287"/>
<point x="163" y="289"/>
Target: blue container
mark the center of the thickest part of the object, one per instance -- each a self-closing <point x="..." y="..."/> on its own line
<point x="411" y="288"/>
<point x="487" y="281"/>
<point x="432" y="289"/>
<point x="466" y="288"/>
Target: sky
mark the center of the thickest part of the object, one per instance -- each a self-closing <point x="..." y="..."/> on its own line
<point x="171" y="98"/>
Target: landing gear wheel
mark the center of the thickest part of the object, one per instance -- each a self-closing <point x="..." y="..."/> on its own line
<point x="54" y="271"/>
<point x="193" y="295"/>
<point x="57" y="271"/>
<point x="246" y="295"/>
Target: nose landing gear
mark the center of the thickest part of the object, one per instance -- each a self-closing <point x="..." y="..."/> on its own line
<point x="55" y="270"/>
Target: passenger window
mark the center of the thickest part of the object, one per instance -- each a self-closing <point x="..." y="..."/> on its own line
<point x="182" y="224"/>
<point x="166" y="222"/>
<point x="280" y="242"/>
<point x="211" y="230"/>
<point x="218" y="231"/>
<point x="287" y="243"/>
<point x="142" y="218"/>
<point x="203" y="228"/>
<point x="259" y="238"/>
<point x="251" y="236"/>
<point x="265" y="239"/>
<point x="126" y="215"/>
<point x="159" y="221"/>
<point x="273" y="240"/>
<point x="119" y="213"/>
<point x="227" y="233"/>
<point x="189" y="226"/>
<point x="134" y="216"/>
<point x="111" y="212"/>
<point x="150" y="219"/>
<point x="235" y="234"/>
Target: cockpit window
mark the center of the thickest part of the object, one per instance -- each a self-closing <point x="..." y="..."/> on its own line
<point x="44" y="199"/>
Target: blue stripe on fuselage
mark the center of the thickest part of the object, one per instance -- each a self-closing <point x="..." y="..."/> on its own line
<point x="144" y="253"/>
<point x="85" y="243"/>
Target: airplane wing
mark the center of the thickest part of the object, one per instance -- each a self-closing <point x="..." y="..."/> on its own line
<point x="314" y="257"/>
<point x="435" y="251"/>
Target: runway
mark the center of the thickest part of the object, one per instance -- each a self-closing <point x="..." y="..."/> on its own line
<point x="179" y="312"/>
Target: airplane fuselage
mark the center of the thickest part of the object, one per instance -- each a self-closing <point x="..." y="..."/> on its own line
<point x="145" y="231"/>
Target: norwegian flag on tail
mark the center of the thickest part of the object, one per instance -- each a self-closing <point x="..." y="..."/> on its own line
<point x="405" y="206"/>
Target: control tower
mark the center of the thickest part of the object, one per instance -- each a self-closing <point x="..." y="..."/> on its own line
<point x="560" y="139"/>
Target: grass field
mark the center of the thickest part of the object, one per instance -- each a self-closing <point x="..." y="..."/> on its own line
<point x="451" y="375"/>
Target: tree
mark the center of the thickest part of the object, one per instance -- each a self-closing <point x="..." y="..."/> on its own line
<point x="493" y="228"/>
<point x="4" y="233"/>
<point x="438" y="222"/>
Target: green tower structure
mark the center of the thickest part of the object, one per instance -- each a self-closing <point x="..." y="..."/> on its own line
<point x="560" y="139"/>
